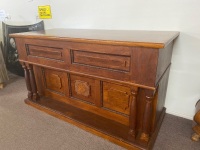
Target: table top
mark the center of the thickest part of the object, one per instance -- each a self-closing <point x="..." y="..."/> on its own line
<point x="153" y="39"/>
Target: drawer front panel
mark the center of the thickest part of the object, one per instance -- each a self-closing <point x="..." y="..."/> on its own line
<point x="45" y="52"/>
<point x="116" y="97"/>
<point x="110" y="61"/>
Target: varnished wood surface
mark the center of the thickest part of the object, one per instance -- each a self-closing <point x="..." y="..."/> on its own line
<point x="121" y="63"/>
<point x="95" y="124"/>
<point x="111" y="82"/>
<point x="94" y="76"/>
<point x="153" y="39"/>
<point x="61" y="87"/>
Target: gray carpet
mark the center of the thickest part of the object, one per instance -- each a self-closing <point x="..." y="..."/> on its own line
<point x="23" y="127"/>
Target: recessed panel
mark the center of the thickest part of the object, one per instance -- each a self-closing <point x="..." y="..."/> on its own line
<point x="83" y="88"/>
<point x="109" y="61"/>
<point x="54" y="80"/>
<point x="45" y="52"/>
<point x="116" y="98"/>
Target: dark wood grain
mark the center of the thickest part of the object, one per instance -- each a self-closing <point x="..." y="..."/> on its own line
<point x="148" y="112"/>
<point x="33" y="85"/>
<point x="133" y="114"/>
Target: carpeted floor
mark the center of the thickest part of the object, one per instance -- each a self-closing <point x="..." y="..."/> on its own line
<point x="25" y="128"/>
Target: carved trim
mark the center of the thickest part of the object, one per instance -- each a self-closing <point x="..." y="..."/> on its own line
<point x="82" y="88"/>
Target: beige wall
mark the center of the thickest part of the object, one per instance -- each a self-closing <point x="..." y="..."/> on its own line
<point x="180" y="15"/>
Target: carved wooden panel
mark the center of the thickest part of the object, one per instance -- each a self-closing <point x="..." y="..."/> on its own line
<point x="54" y="80"/>
<point x="83" y="88"/>
<point x="117" y="97"/>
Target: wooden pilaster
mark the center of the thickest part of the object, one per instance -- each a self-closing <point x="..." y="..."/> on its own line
<point x="27" y="79"/>
<point x="133" y="114"/>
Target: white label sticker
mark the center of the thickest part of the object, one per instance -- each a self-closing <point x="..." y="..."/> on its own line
<point x="2" y="15"/>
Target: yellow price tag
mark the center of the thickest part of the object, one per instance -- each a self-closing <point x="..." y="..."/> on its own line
<point x="44" y="12"/>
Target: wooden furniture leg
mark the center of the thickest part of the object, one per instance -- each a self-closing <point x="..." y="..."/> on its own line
<point x="196" y="127"/>
<point x="1" y="85"/>
<point x="27" y="79"/>
<point x="33" y="83"/>
<point x="30" y="82"/>
<point x="133" y="115"/>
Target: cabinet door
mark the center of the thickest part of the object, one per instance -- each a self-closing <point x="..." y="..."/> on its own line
<point x="86" y="89"/>
<point x="55" y="84"/>
<point x="116" y="98"/>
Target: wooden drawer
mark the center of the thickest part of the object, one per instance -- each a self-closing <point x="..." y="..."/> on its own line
<point x="45" y="52"/>
<point x="105" y="61"/>
<point x="116" y="98"/>
<point x="109" y="61"/>
<point x="86" y="89"/>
